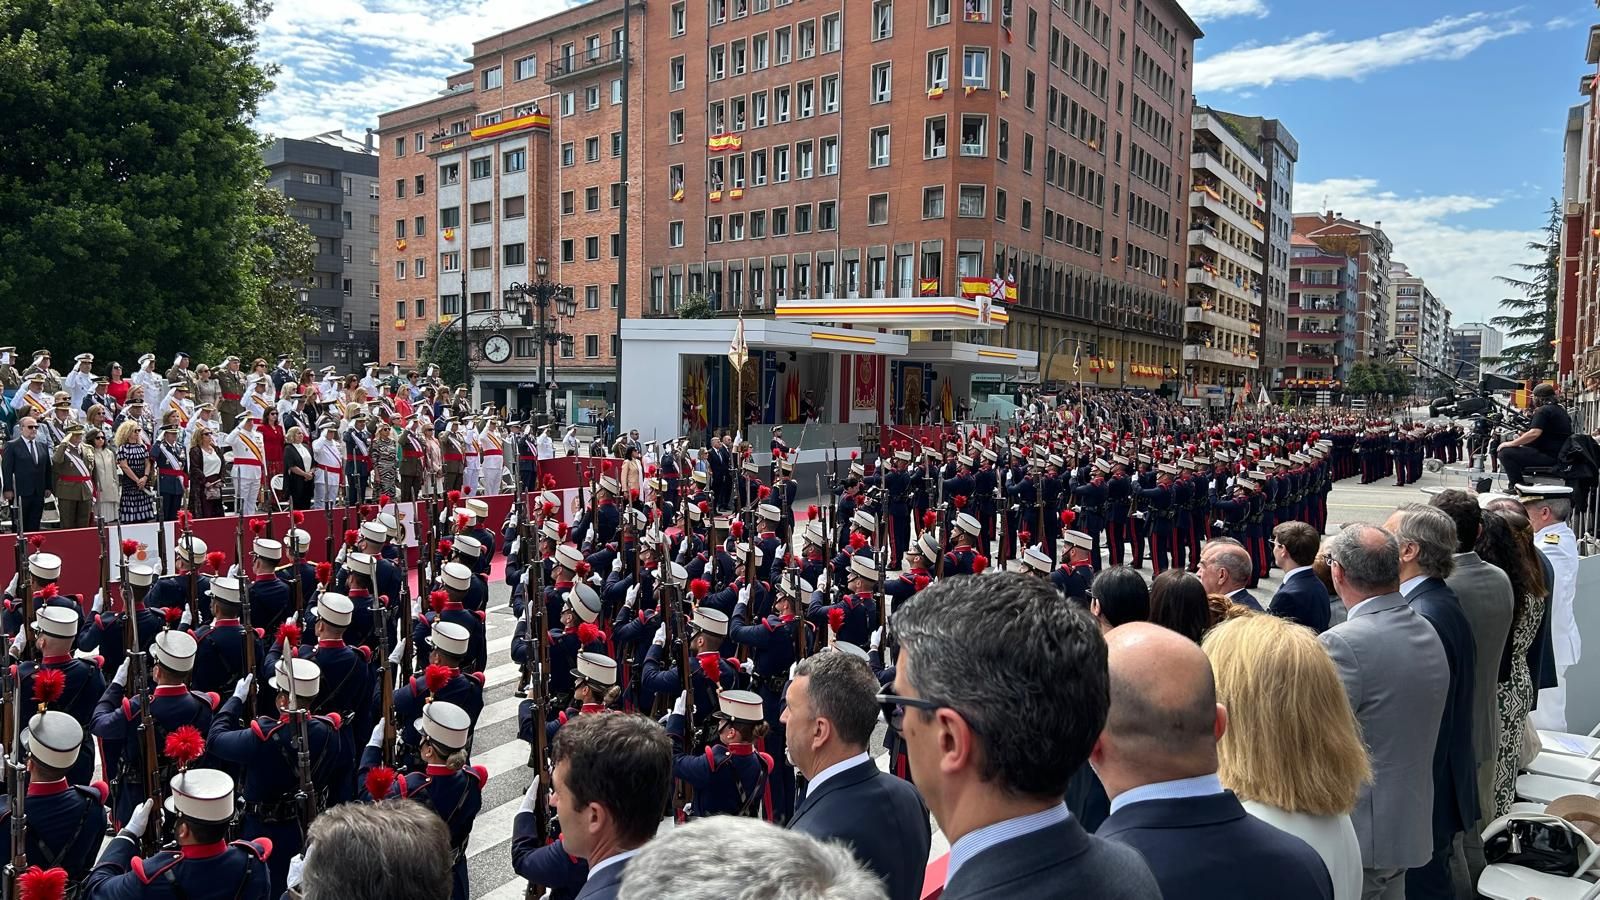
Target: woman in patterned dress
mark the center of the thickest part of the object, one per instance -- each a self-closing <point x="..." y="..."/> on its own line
<point x="385" y="463"/>
<point x="134" y="474"/>
<point x="1507" y="541"/>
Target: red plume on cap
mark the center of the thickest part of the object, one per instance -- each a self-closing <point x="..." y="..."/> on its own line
<point x="183" y="519"/>
<point x="1025" y="536"/>
<point x="48" y="685"/>
<point x="215" y="559"/>
<point x="438" y="599"/>
<point x="961" y="501"/>
<point x="461" y="521"/>
<point x="549" y="481"/>
<point x="288" y="636"/>
<point x="258" y="526"/>
<point x="854" y="454"/>
<point x="436" y="677"/>
<point x="588" y="633"/>
<point x="705" y="506"/>
<point x="445" y="547"/>
<point x="380" y="781"/>
<point x="699" y="588"/>
<point x="298" y="516"/>
<point x="929" y="519"/>
<point x="184" y="745"/>
<point x="736" y="528"/>
<point x="836" y="618"/>
<point x="1068" y="517"/>
<point x="129" y="546"/>
<point x="324" y="572"/>
<point x="813" y="511"/>
<point x="351" y="535"/>
<point x="384" y="499"/>
<point x="549" y="509"/>
<point x="455" y="496"/>
<point x="711" y="666"/>
<point x="50" y="591"/>
<point x="979" y="563"/>
<point x="857" y="541"/>
<point x="763" y="492"/>
<point x="466" y="491"/>
<point x="35" y="541"/>
<point x="42" y="884"/>
<point x="584" y="569"/>
<point x="650" y="471"/>
<point x="368" y="512"/>
<point x="921" y="581"/>
<point x="173" y="615"/>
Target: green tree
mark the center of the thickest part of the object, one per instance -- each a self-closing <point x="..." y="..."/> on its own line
<point x="444" y="352"/>
<point x="695" y="306"/>
<point x="130" y="176"/>
<point x="1531" y="320"/>
<point x="267" y="320"/>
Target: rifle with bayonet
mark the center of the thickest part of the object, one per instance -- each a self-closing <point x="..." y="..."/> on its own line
<point x="245" y="578"/>
<point x="16" y="766"/>
<point x="139" y="685"/>
<point x="305" y="792"/>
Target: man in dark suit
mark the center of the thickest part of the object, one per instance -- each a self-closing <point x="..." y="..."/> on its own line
<point x="996" y="788"/>
<point x="1302" y="597"/>
<point x="1158" y="759"/>
<point x="720" y="459"/>
<point x="612" y="776"/>
<point x="830" y="713"/>
<point x="25" y="472"/>
<point x="1427" y="539"/>
<point x="1225" y="569"/>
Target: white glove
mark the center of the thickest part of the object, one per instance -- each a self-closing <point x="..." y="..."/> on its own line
<point x="98" y="604"/>
<point x="616" y="564"/>
<point x="297" y="864"/>
<point x="1219" y="524"/>
<point x="631" y="596"/>
<point x="416" y="607"/>
<point x="516" y="546"/>
<point x="744" y="594"/>
<point x="530" y="798"/>
<point x="340" y="556"/>
<point x="19" y="641"/>
<point x="121" y="678"/>
<point x="242" y="689"/>
<point x="596" y="580"/>
<point x="377" y="737"/>
<point x="660" y="640"/>
<point x="680" y="705"/>
<point x="140" y="819"/>
<point x="394" y="655"/>
<point x="12" y="587"/>
<point x="877" y="639"/>
<point x="748" y="667"/>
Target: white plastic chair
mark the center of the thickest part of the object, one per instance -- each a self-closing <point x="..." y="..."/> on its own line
<point x="1568" y="744"/>
<point x="1545" y="788"/>
<point x="1503" y="881"/>
<point x="1573" y="768"/>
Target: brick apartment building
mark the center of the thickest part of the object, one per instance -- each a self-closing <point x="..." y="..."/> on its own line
<point x="1321" y="333"/>
<point x="1044" y="140"/>
<point x="1370" y="248"/>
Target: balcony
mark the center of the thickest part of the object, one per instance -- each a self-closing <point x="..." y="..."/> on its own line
<point x="1201" y="237"/>
<point x="297" y="189"/>
<point x="1313" y="335"/>
<point x="1204" y="276"/>
<point x="322" y="227"/>
<point x="1198" y="353"/>
<point x="585" y="63"/>
<point x="1206" y="199"/>
<point x="1199" y="315"/>
<point x="1203" y="160"/>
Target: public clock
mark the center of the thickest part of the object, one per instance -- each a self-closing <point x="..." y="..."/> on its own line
<point x="496" y="348"/>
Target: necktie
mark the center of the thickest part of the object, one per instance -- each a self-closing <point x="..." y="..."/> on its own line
<point x="34" y="450"/>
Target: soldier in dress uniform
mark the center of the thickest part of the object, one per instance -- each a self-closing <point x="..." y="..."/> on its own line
<point x="492" y="451"/>
<point x="106" y="632"/>
<point x="270" y="598"/>
<point x="358" y="460"/>
<point x="10" y="380"/>
<point x="173" y="704"/>
<point x="785" y="490"/>
<point x="412" y="451"/>
<point x="220" y="655"/>
<point x="1158" y="507"/>
<point x="55" y="629"/>
<point x="249" y="463"/>
<point x="73" y="475"/>
<point x="857" y="606"/>
<point x="477" y="512"/>
<point x="41" y="365"/>
<point x="231" y="383"/>
<point x="442" y="679"/>
<point x="172" y="592"/>
<point x="442" y="782"/>
<point x="64" y="822"/>
<point x="452" y="452"/>
<point x="594" y="690"/>
<point x="455" y="580"/>
<point x="962" y="559"/>
<point x="1092" y="498"/>
<point x="265" y="748"/>
<point x="347" y="677"/>
<point x="772" y="547"/>
<point x="80" y="381"/>
<point x="1119" y="494"/>
<point x="180" y="371"/>
<point x="708" y="629"/>
<point x="731" y="777"/>
<point x="605" y="516"/>
<point x="204" y="867"/>
<point x="1076" y="573"/>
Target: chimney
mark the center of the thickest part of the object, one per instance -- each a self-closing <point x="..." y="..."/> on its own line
<point x="368" y="140"/>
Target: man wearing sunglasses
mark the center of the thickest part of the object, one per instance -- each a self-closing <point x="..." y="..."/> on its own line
<point x="25" y="472"/>
<point x="978" y="655"/>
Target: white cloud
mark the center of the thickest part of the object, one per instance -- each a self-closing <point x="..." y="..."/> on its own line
<point x="1317" y="55"/>
<point x="345" y="61"/>
<point x="1560" y="22"/>
<point x="1459" y="262"/>
<point x="1211" y="10"/>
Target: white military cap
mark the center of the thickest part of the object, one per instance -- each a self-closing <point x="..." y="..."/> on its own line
<point x="266" y="548"/>
<point x="1166" y="469"/>
<point x="57" y="621"/>
<point x="365" y="563"/>
<point x="468" y="545"/>
<point x="1079" y="539"/>
<point x="852" y="649"/>
<point x="391" y="525"/>
<point x="768" y="511"/>
<point x="740" y="706"/>
<point x="174" y="650"/>
<point x="1101" y="465"/>
<point x="191" y="549"/>
<point x="857" y="469"/>
<point x="864" y="520"/>
<point x="1037" y="559"/>
<point x="446" y="724"/>
<point x="449" y="637"/>
<point x="864" y="567"/>
<point x="226" y="589"/>
<point x="712" y="620"/>
<point x="585" y="602"/>
<point x="335" y="609"/>
<point x="903" y="455"/>
<point x="455" y="575"/>
<point x="375" y="532"/>
<point x="699" y="475"/>
<point x="743" y="551"/>
<point x="676" y="573"/>
<point x="1529" y="492"/>
<point x="568" y="557"/>
<point x="306" y="675"/>
<point x="205" y="795"/>
<point x="610" y="485"/>
<point x="813" y="533"/>
<point x="478" y="508"/>
<point x="141" y="574"/>
<point x="969" y="523"/>
<point x="926" y="545"/>
<point x="54" y="738"/>
<point x="299" y="540"/>
<point x="596" y="667"/>
<point x="45" y="566"/>
<point x="550" y="530"/>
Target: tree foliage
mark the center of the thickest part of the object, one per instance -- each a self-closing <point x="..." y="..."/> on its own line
<point x="444" y="352"/>
<point x="695" y="306"/>
<point x="1377" y="377"/>
<point x="130" y="179"/>
<point x="1530" y="324"/>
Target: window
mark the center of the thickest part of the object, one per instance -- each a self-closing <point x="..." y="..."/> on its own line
<point x="491" y="78"/>
<point x="348" y="287"/>
<point x="933" y="202"/>
<point x="970" y="204"/>
<point x="400" y="188"/>
<point x="591" y="296"/>
<point x="830" y="93"/>
<point x="938" y="12"/>
<point x="680" y="19"/>
<point x="450" y="174"/>
<point x="569" y="103"/>
<point x="675" y="126"/>
<point x="758" y="109"/>
<point x="416" y="142"/>
<point x="450" y="304"/>
<point x="805" y="159"/>
<point x="568" y="207"/>
<point x="567" y="253"/>
<point x="783" y="41"/>
<point x="450" y="217"/>
<point x="805" y="99"/>
<point x="617" y="193"/>
<point x="827" y="215"/>
<point x="400" y="270"/>
<point x="717" y="65"/>
<point x="591" y="199"/>
<point x="422" y="185"/>
<point x="759" y="51"/>
<point x="526" y="68"/>
<point x="829" y="147"/>
<point x="480" y="212"/>
<point x="419" y="225"/>
<point x="311" y="177"/>
<point x="514" y="207"/>
<point x="975" y="67"/>
<point x="974" y="135"/>
<point x="675" y="234"/>
<point x="882" y="19"/>
<point x="877" y="209"/>
<point x="616" y="144"/>
<point x="616" y="298"/>
<point x="616" y="91"/>
<point x="400" y="146"/>
<point x="938" y="69"/>
<point x="975" y="10"/>
<point x="569" y="154"/>
<point x="675" y="72"/>
<point x="591" y="345"/>
<point x="780" y="221"/>
<point x="591" y="149"/>
<point x="372" y="190"/>
<point x="400" y="229"/>
<point x="1002" y="143"/>
<point x="736" y="227"/>
<point x="450" y="262"/>
<point x="514" y="161"/>
<point x="882" y="82"/>
<point x="482" y="167"/>
<point x="802" y="218"/>
<point x="479" y="258"/>
<point x="878" y="147"/>
<point x="780" y="104"/>
<point x="758" y="167"/>
<point x="591" y="247"/>
<point x="713" y="229"/>
<point x="758" y="228"/>
<point x="591" y="97"/>
<point x="830" y="33"/>
<point x="933" y="138"/>
<point x="422" y="306"/>
<point x="780" y="164"/>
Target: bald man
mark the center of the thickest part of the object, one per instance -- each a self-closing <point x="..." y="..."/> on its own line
<point x="1157" y="757"/>
<point x="1224" y="569"/>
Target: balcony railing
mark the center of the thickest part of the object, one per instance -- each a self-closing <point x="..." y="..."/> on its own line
<point x="584" y="62"/>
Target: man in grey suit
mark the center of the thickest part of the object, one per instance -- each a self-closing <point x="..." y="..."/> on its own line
<point x="1000" y="691"/>
<point x="1394" y="670"/>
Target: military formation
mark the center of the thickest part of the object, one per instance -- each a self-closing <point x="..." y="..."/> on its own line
<point x="205" y="716"/>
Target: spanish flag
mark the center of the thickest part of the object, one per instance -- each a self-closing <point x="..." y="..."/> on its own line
<point x="974" y="287"/>
<point x="735" y="193"/>
<point x="720" y="142"/>
<point x="935" y="93"/>
<point x="714" y="196"/>
<point x="677" y="195"/>
<point x="930" y="287"/>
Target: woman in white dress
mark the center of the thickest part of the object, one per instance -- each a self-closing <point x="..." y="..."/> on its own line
<point x="1292" y="752"/>
<point x="107" y="488"/>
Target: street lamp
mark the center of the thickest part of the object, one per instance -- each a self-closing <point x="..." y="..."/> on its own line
<point x="532" y="302"/>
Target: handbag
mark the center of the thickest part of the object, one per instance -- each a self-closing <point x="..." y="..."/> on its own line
<point x="1539" y="842"/>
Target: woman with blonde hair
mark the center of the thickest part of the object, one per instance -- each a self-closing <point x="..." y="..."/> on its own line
<point x="133" y="465"/>
<point x="1292" y="752"/>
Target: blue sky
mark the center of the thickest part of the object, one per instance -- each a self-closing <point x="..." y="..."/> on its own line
<point x="1444" y="120"/>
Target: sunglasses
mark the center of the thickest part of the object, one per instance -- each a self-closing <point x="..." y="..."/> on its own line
<point x="898" y="705"/>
